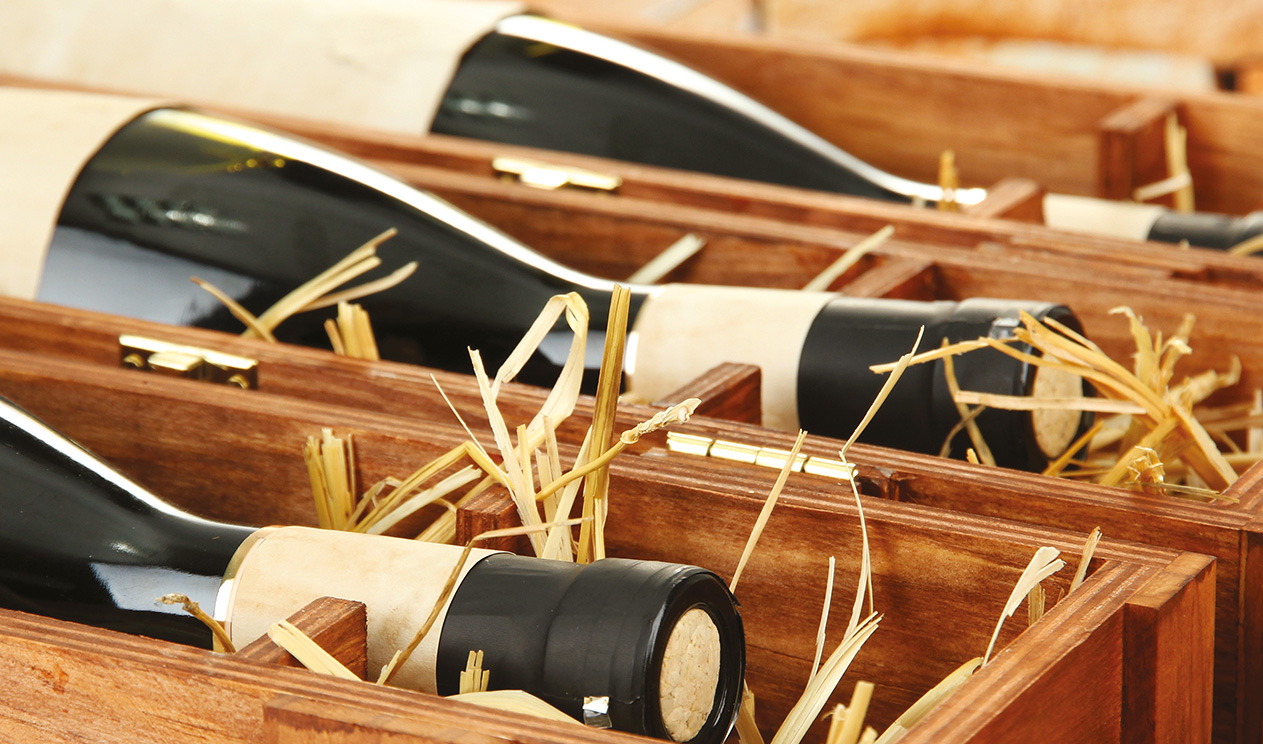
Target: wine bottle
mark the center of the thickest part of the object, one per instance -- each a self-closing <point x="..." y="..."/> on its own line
<point x="486" y="71"/>
<point x="175" y="192"/>
<point x="480" y="70"/>
<point x="641" y="646"/>
<point x="535" y="82"/>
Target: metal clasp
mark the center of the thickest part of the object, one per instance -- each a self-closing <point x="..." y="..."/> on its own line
<point x="550" y="176"/>
<point x="767" y="457"/>
<point x="189" y="362"/>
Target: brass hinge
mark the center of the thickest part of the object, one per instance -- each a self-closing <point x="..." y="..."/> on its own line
<point x="550" y="176"/>
<point x="191" y="362"/>
<point x="767" y="457"/>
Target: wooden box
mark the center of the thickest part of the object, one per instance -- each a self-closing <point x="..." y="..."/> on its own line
<point x="1124" y="658"/>
<point x="1005" y="224"/>
<point x="933" y="256"/>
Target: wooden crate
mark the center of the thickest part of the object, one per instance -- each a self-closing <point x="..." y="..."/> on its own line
<point x="1126" y="657"/>
<point x="935" y="256"/>
<point x="1006" y="223"/>
<point x="1221" y="291"/>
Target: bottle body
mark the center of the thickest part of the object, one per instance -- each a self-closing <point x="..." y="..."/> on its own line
<point x="81" y="542"/>
<point x="176" y="193"/>
<point x="528" y="81"/>
<point x="537" y="83"/>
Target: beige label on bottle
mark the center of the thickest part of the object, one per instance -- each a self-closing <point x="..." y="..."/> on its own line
<point x="381" y="64"/>
<point x="399" y="581"/>
<point x="1087" y="214"/>
<point x="685" y="330"/>
<point x="46" y="137"/>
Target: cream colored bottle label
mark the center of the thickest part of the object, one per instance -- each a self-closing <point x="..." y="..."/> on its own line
<point x="1086" y="214"/>
<point x="683" y="330"/>
<point x="399" y="581"/>
<point x="46" y="137"/>
<point x="381" y="64"/>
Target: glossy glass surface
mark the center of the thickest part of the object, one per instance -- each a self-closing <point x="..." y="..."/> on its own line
<point x="518" y="91"/>
<point x="80" y="542"/>
<point x="175" y="194"/>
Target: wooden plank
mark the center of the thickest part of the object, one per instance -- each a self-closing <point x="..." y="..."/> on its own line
<point x="1158" y="638"/>
<point x="290" y="719"/>
<point x="729" y="391"/>
<point x="69" y="682"/>
<point x="338" y="626"/>
<point x="1120" y="24"/>
<point x="484" y="513"/>
<point x="908" y="279"/>
<point x="1132" y="147"/>
<point x="1250" y="660"/>
<point x="1013" y="199"/>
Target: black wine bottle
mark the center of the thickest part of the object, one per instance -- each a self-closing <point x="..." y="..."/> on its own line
<point x="536" y="82"/>
<point x="522" y="79"/>
<point x="641" y="646"/>
<point x="175" y="193"/>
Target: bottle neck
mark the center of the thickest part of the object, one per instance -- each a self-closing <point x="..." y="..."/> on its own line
<point x="814" y="350"/>
<point x="655" y="648"/>
<point x="921" y="413"/>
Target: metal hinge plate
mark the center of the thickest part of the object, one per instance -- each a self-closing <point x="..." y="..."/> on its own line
<point x="767" y="457"/>
<point x="190" y="362"/>
<point x="550" y="176"/>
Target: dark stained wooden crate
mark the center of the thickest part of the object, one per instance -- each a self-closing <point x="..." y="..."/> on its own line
<point x="1126" y="657"/>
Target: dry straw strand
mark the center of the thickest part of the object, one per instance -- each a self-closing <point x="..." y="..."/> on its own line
<point x="668" y="260"/>
<point x="747" y="728"/>
<point x="252" y="324"/>
<point x="609" y="382"/>
<point x="318" y="292"/>
<point x="473" y="678"/>
<point x="1248" y="247"/>
<point x="1145" y="393"/>
<point x="1089" y="548"/>
<point x="853" y="724"/>
<point x="948" y="181"/>
<point x="896" y="371"/>
<point x="849" y="258"/>
<point x="308" y="653"/>
<point x="966" y="416"/>
<point x="824" y="617"/>
<point x="765" y="513"/>
<point x="822" y="685"/>
<point x="194" y="609"/>
<point x="1043" y="564"/>
<point x="930" y="700"/>
<point x="515" y="701"/>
